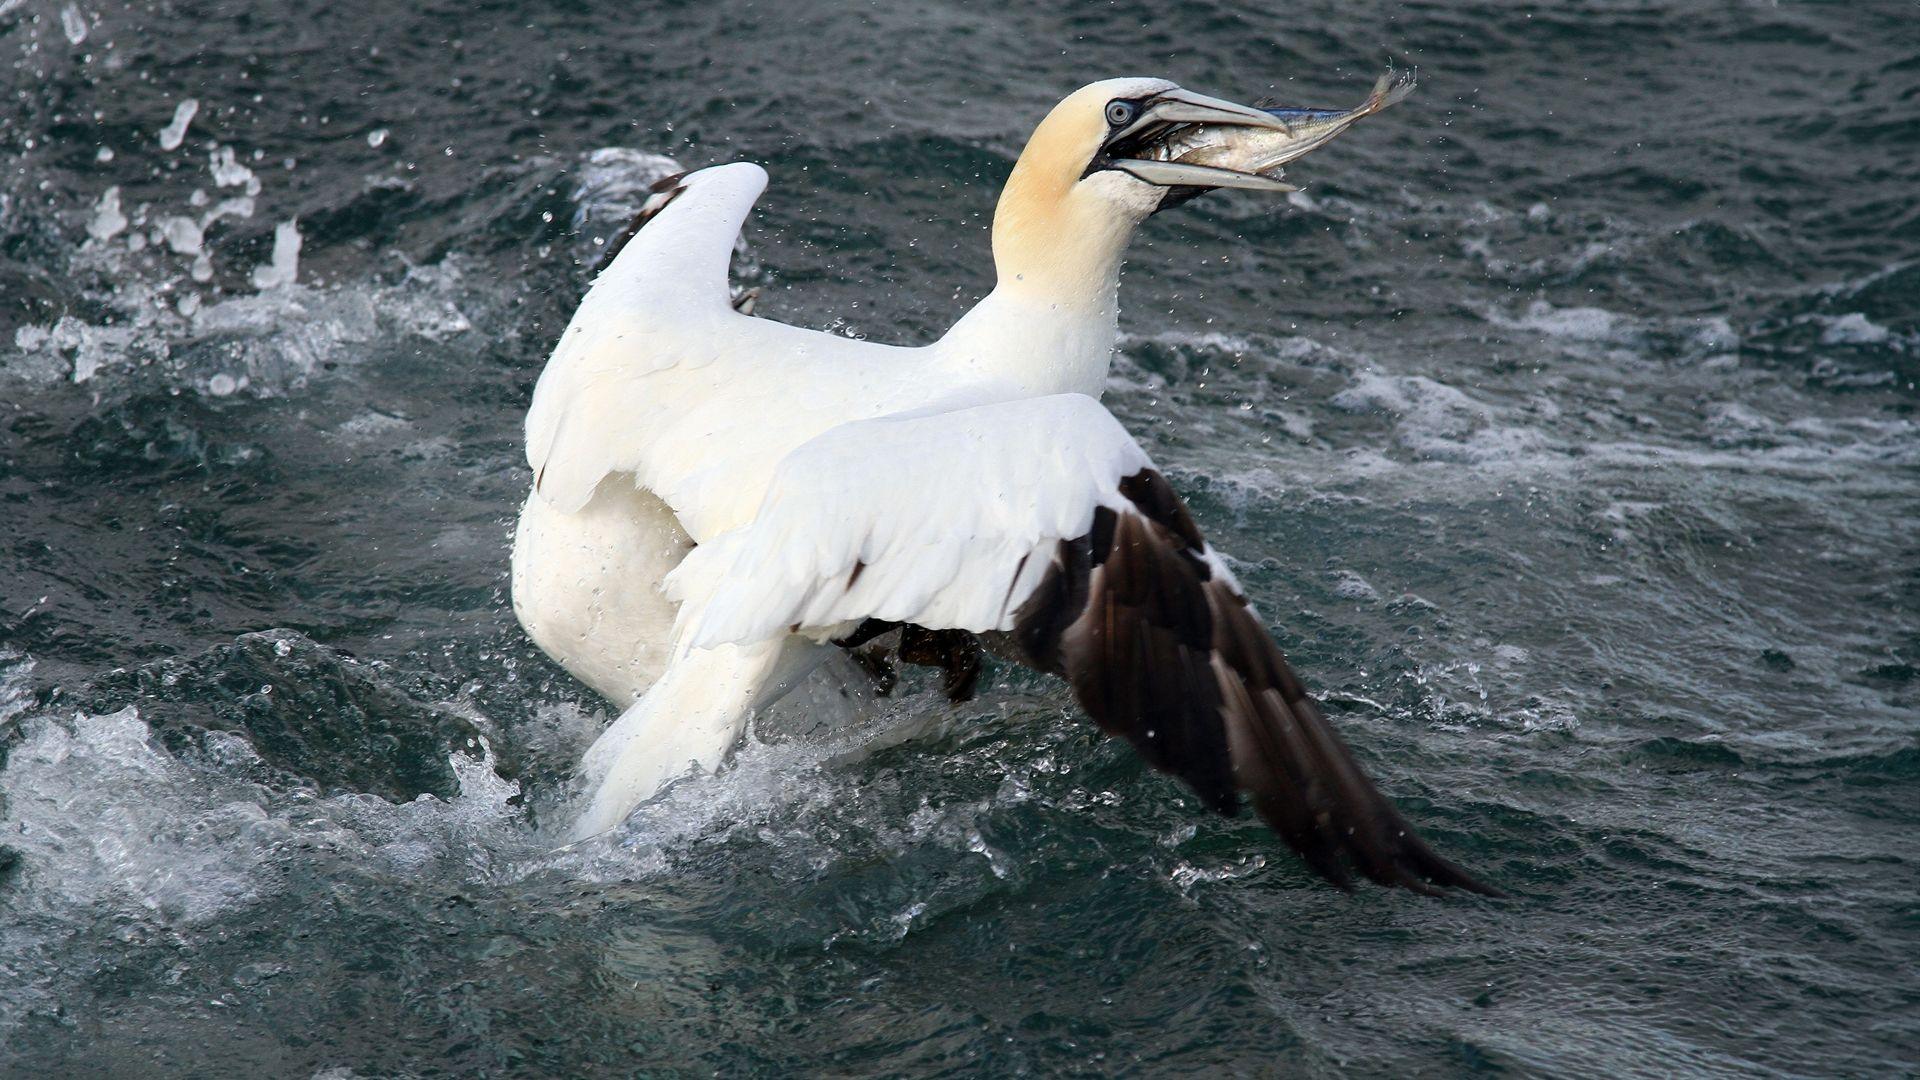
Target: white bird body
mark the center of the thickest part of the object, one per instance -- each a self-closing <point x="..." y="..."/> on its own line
<point x="718" y="496"/>
<point x="586" y="586"/>
<point x="664" y="414"/>
<point x="691" y="405"/>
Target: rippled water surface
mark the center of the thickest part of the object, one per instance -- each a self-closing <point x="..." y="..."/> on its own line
<point x="1564" y="429"/>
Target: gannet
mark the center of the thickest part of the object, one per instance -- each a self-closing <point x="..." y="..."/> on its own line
<point x="718" y="499"/>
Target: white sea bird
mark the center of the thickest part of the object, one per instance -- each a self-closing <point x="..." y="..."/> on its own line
<point x="719" y="499"/>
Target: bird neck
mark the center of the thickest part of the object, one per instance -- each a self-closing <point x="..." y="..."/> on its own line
<point x="1032" y="345"/>
<point x="1049" y="325"/>
<point x="1056" y="242"/>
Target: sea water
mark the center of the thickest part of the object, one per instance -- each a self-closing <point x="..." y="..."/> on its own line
<point x="1563" y="430"/>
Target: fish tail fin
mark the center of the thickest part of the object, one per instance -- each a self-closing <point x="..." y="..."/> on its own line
<point x="1390" y="89"/>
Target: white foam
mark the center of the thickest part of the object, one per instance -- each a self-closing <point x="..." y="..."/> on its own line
<point x="30" y="338"/>
<point x="1239" y="489"/>
<point x="108" y="220"/>
<point x="618" y="179"/>
<point x="771" y="790"/>
<point x="1733" y="417"/>
<point x="614" y="181"/>
<point x="1841" y="461"/>
<point x="149" y="261"/>
<point x="1351" y="586"/>
<point x="91" y="347"/>
<point x="1579" y="323"/>
<point x="107" y="821"/>
<point x="279" y="337"/>
<point x="15" y="696"/>
<point x="372" y="425"/>
<point x="175" y="132"/>
<point x="1715" y="334"/>
<point x="1437" y="421"/>
<point x="1185" y="875"/>
<point x="1854" y="328"/>
<point x="1231" y="346"/>
<point x="101" y="815"/>
<point x="228" y="172"/>
<point x="1406" y="394"/>
<point x="285" y="263"/>
<point x="182" y="234"/>
<point x="1594" y="325"/>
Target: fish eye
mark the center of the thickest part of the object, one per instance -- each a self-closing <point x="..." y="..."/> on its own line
<point x="1121" y="113"/>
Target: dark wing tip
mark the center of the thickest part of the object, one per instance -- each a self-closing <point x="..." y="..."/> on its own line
<point x="1443" y="873"/>
<point x="1165" y="655"/>
<point x="662" y="192"/>
<point x="1303" y="774"/>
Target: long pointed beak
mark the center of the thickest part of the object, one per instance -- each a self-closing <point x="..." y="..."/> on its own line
<point x="1189" y="140"/>
<point x="1179" y="106"/>
<point x="1178" y="174"/>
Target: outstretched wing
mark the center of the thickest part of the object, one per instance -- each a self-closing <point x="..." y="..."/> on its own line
<point x="659" y="379"/>
<point x="941" y="519"/>
<point x="661" y="303"/>
<point x="1044" y="518"/>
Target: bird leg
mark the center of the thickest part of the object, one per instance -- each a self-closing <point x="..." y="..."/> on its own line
<point x="956" y="653"/>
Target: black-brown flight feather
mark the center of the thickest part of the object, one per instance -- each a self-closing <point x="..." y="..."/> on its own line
<point x="1168" y="655"/>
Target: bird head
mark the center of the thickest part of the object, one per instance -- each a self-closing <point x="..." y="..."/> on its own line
<point x="1104" y="159"/>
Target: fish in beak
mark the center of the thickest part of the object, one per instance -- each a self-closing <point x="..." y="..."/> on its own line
<point x="1188" y="141"/>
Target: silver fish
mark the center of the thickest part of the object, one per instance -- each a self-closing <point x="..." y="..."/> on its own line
<point x="1266" y="151"/>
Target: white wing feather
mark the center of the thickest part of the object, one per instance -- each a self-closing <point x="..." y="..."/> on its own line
<point x="951" y="519"/>
<point x="659" y="379"/>
<point x="662" y="303"/>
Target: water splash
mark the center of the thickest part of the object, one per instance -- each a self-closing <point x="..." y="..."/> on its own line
<point x="175" y="132"/>
<point x="284" y="266"/>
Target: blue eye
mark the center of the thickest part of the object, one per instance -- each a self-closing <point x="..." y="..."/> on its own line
<point x="1121" y="113"/>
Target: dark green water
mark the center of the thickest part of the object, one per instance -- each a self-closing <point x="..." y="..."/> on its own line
<point x="1565" y="430"/>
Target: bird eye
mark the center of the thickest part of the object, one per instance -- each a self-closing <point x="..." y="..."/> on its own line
<point x="1121" y="113"/>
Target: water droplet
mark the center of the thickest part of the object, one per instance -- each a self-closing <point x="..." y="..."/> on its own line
<point x="175" y="132"/>
<point x="73" y="23"/>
